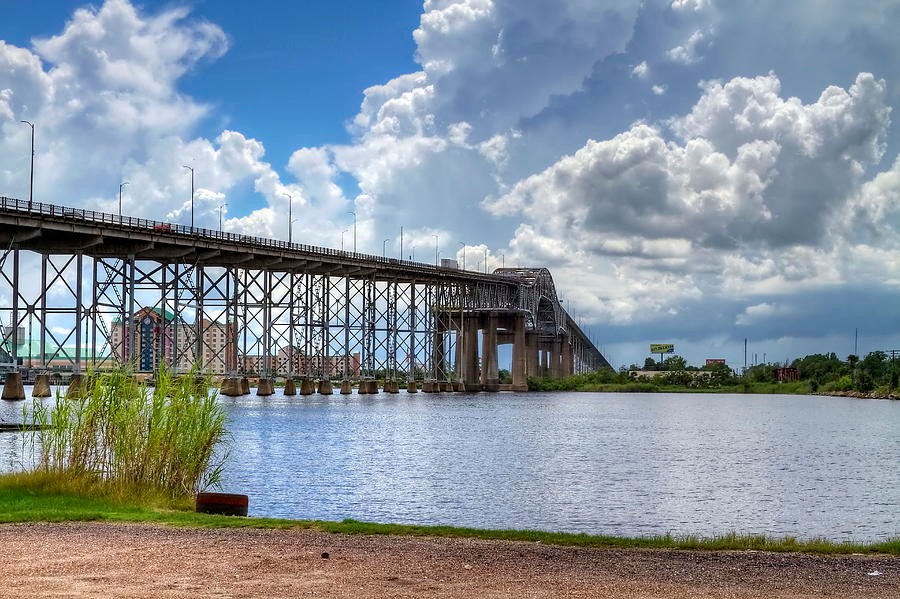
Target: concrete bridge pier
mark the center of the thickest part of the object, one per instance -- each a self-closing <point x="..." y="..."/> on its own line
<point x="490" y="377"/>
<point x="519" y="355"/>
<point x="532" y="355"/>
<point x="231" y="387"/>
<point x="265" y="387"/>
<point x="245" y="386"/>
<point x="290" y="387"/>
<point x="13" y="389"/>
<point x="346" y="387"/>
<point x="41" y="386"/>
<point x="567" y="366"/>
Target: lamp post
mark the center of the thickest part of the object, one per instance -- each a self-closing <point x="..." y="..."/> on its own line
<point x="354" y="230"/>
<point x="220" y="215"/>
<point x="290" y="222"/>
<point x="31" y="181"/>
<point x="384" y="247"/>
<point x="342" y="239"/>
<point x="435" y="249"/>
<point x="190" y="168"/>
<point x="412" y="256"/>
<point x="464" y="254"/>
<point x="121" y="185"/>
<point x="485" y="260"/>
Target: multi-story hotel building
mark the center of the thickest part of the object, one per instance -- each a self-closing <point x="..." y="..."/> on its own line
<point x="156" y="336"/>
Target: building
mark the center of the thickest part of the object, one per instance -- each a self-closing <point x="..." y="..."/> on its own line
<point x="313" y="365"/>
<point x="787" y="374"/>
<point x="156" y="335"/>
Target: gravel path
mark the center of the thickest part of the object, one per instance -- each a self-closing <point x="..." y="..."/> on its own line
<point x="124" y="560"/>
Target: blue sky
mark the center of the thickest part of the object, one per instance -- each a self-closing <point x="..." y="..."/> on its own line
<point x="692" y="171"/>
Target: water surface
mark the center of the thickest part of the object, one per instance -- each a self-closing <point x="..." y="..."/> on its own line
<point x="625" y="464"/>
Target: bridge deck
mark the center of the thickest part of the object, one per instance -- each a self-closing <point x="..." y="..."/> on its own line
<point x="49" y="229"/>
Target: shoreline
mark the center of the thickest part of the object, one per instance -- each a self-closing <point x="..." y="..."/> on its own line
<point x="147" y="560"/>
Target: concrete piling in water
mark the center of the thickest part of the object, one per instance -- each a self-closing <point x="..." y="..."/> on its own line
<point x="231" y="387"/>
<point x="391" y="387"/>
<point x="13" y="389"/>
<point x="372" y="386"/>
<point x="411" y="387"/>
<point x="459" y="386"/>
<point x="427" y="387"/>
<point x="290" y="387"/>
<point x="77" y="386"/>
<point x="444" y="386"/>
<point x="41" y="386"/>
<point x="306" y="387"/>
<point x="346" y="387"/>
<point x="265" y="387"/>
<point x="245" y="386"/>
<point x="325" y="387"/>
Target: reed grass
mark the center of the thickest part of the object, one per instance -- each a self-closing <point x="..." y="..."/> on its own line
<point x="164" y="438"/>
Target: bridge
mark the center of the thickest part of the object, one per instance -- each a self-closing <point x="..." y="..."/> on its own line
<point x="81" y="289"/>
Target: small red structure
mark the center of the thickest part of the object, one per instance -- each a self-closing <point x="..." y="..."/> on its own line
<point x="787" y="374"/>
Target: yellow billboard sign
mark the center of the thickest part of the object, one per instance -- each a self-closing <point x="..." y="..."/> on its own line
<point x="662" y="348"/>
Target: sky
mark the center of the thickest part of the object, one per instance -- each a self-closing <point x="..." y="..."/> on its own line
<point x="696" y="172"/>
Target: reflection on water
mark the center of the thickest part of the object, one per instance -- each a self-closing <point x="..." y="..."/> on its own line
<point x="616" y="464"/>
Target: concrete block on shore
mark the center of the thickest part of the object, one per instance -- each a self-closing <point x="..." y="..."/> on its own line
<point x="41" y="386"/>
<point x="290" y="387"/>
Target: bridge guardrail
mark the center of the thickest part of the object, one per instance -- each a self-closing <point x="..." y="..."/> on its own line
<point x="92" y="216"/>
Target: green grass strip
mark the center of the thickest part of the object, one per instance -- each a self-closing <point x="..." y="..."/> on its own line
<point x="42" y="497"/>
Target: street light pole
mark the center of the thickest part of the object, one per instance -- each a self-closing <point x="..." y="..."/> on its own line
<point x="290" y="222"/>
<point x="220" y="215"/>
<point x="485" y="260"/>
<point x="435" y="249"/>
<point x="464" y="254"/>
<point x="384" y="247"/>
<point x="401" y="242"/>
<point x="121" y="185"/>
<point x="31" y="182"/>
<point x="342" y="239"/>
<point x="190" y="168"/>
<point x="354" y="230"/>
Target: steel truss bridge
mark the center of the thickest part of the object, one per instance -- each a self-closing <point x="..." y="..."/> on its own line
<point x="82" y="289"/>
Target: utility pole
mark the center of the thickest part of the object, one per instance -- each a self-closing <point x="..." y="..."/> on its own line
<point x="354" y="230"/>
<point x="190" y="168"/>
<point x="31" y="182"/>
<point x="121" y="185"/>
<point x="290" y="221"/>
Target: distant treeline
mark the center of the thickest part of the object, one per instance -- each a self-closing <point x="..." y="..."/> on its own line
<point x="877" y="372"/>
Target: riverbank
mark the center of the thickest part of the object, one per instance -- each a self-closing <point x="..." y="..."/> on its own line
<point x="140" y="560"/>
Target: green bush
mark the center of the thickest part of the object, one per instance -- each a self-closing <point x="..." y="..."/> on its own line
<point x="121" y="431"/>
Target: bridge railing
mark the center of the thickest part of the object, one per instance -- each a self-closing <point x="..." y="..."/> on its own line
<point x="154" y="226"/>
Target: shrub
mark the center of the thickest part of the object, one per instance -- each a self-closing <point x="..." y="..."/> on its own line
<point x="121" y="431"/>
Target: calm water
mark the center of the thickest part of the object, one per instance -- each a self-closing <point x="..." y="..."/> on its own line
<point x="603" y="463"/>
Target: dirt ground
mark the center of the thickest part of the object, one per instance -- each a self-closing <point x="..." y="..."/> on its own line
<point x="108" y="560"/>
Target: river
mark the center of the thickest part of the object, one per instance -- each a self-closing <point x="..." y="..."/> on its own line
<point x="620" y="464"/>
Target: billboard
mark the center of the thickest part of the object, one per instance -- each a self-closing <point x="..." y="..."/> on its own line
<point x="715" y="361"/>
<point x="662" y="348"/>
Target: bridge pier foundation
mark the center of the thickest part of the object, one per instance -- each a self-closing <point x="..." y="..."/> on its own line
<point x="490" y="378"/>
<point x="519" y="355"/>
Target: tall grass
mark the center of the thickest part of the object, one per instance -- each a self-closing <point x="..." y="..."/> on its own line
<point x="123" y="432"/>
